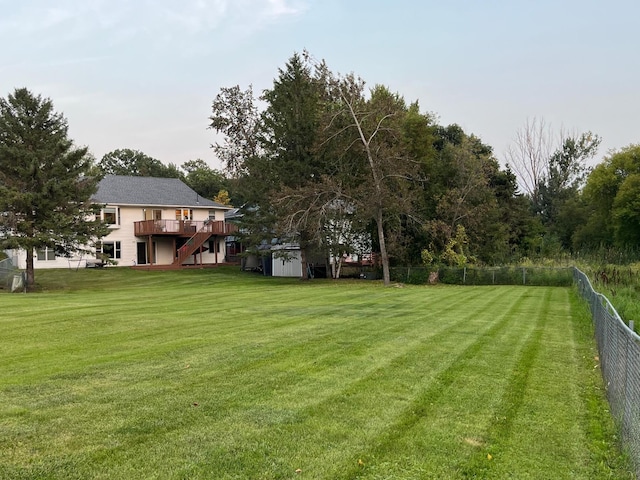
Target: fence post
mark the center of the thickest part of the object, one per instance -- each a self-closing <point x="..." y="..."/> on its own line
<point x="464" y="276"/>
<point x="524" y="276"/>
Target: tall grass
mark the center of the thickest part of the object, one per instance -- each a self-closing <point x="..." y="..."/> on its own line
<point x="210" y="374"/>
<point x="473" y="275"/>
<point x="621" y="285"/>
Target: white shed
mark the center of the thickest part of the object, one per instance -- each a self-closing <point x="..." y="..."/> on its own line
<point x="286" y="261"/>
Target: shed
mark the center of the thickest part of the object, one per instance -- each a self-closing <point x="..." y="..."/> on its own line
<point x="286" y="261"/>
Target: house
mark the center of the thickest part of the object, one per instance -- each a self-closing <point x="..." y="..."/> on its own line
<point x="153" y="222"/>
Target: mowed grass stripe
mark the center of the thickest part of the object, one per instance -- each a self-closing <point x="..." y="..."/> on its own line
<point x="559" y="382"/>
<point x="506" y="412"/>
<point x="264" y="376"/>
<point x="141" y="401"/>
<point x="136" y="329"/>
<point x="411" y="446"/>
<point x="258" y="419"/>
<point x="348" y="402"/>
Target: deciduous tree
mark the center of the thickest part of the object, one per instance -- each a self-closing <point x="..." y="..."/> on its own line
<point x="205" y="180"/>
<point x="236" y="116"/>
<point x="611" y="196"/>
<point x="551" y="169"/>
<point x="127" y="161"/>
<point x="382" y="169"/>
<point x="528" y="156"/>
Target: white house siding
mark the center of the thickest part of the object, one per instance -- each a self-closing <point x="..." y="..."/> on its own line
<point x="124" y="233"/>
<point x="164" y="253"/>
<point x="19" y="260"/>
<point x="209" y="256"/>
<point x="164" y="250"/>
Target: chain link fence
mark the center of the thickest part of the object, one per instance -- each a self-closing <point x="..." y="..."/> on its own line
<point x="618" y="344"/>
<point x="11" y="278"/>
<point x="533" y="276"/>
<point x="619" y="353"/>
<point x="7" y="271"/>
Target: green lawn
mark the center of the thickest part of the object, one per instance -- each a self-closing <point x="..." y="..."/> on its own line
<point x="117" y="374"/>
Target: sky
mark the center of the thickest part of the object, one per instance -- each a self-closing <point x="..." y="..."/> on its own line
<point x="142" y="74"/>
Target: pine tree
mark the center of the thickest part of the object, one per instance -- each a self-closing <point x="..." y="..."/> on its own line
<point x="45" y="181"/>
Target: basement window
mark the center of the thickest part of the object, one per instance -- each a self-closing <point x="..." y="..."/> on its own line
<point x="45" y="254"/>
<point x="108" y="249"/>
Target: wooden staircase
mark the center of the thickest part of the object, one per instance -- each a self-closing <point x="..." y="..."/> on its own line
<point x="193" y="244"/>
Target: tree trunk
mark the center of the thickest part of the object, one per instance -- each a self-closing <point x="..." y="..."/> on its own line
<point x="384" y="256"/>
<point x="303" y="261"/>
<point x="30" y="275"/>
<point x="339" y="268"/>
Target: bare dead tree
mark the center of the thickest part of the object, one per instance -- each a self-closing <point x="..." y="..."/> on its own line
<point x="530" y="152"/>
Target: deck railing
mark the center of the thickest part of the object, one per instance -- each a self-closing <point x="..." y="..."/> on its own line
<point x="183" y="227"/>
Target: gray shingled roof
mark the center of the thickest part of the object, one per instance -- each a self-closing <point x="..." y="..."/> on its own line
<point x="149" y="191"/>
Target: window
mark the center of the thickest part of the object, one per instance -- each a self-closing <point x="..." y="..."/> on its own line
<point x="233" y="248"/>
<point x="214" y="246"/>
<point x="184" y="214"/>
<point x="46" y="254"/>
<point x="108" y="249"/>
<point x="152" y="213"/>
<point x="111" y="215"/>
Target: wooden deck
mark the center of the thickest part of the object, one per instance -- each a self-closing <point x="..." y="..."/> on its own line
<point x="183" y="228"/>
<point x="188" y="237"/>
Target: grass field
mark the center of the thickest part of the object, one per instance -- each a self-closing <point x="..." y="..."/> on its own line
<point x="117" y="374"/>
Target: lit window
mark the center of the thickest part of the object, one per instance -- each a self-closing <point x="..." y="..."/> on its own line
<point x="184" y="214"/>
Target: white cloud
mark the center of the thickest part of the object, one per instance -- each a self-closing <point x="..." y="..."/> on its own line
<point x="279" y="8"/>
<point x="73" y="19"/>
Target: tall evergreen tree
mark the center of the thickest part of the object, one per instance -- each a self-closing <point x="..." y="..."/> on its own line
<point x="45" y="181"/>
<point x="291" y="159"/>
